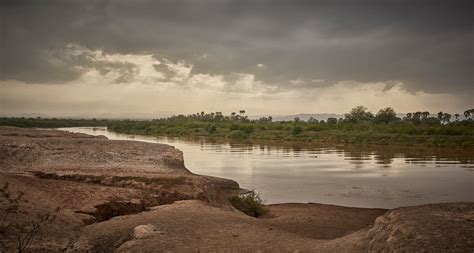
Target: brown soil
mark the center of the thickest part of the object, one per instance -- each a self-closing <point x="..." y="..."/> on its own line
<point x="138" y="197"/>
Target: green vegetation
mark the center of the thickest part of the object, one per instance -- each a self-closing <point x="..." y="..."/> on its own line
<point x="51" y="122"/>
<point x="250" y="203"/>
<point x="358" y="126"/>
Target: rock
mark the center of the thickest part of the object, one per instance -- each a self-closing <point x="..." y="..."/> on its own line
<point x="434" y="227"/>
<point x="145" y="231"/>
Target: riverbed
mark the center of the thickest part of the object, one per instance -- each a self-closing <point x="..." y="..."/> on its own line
<point x="359" y="176"/>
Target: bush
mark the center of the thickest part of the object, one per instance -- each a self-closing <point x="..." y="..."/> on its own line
<point x="250" y="203"/>
<point x="238" y="135"/>
<point x="211" y="129"/>
<point x="297" y="130"/>
<point x="17" y="235"/>
<point x="247" y="129"/>
<point x="234" y="127"/>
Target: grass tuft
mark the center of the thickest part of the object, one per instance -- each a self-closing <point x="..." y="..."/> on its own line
<point x="250" y="203"/>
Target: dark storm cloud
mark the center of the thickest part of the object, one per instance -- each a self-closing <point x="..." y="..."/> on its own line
<point x="426" y="44"/>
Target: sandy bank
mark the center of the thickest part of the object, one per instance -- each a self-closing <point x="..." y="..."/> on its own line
<point x="139" y="197"/>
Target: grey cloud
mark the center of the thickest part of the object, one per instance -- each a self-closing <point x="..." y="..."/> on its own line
<point x="425" y="44"/>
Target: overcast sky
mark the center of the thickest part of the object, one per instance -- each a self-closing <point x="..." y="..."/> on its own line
<point x="154" y="58"/>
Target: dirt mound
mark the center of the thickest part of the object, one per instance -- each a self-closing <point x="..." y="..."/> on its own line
<point x="432" y="228"/>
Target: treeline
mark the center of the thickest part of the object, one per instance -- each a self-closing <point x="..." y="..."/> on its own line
<point x="51" y="122"/>
<point x="358" y="126"/>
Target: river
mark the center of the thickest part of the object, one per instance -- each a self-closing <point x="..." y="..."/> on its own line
<point x="377" y="176"/>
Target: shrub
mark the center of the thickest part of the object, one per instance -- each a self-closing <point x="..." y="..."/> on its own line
<point x="315" y="127"/>
<point x="238" y="135"/>
<point x="297" y="130"/>
<point x="250" y="203"/>
<point x="16" y="235"/>
<point x="234" y="127"/>
<point x="247" y="129"/>
<point x="211" y="129"/>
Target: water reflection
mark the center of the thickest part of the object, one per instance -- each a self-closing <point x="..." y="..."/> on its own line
<point x="365" y="176"/>
<point x="353" y="154"/>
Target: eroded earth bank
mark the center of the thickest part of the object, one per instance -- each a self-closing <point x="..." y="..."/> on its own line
<point x="128" y="196"/>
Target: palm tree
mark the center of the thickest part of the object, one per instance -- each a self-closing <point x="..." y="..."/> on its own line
<point x="425" y="114"/>
<point x="467" y="114"/>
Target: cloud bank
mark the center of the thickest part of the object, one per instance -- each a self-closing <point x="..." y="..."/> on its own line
<point x="165" y="57"/>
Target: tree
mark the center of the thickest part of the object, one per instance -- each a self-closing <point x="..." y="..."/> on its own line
<point x="456" y="115"/>
<point x="332" y="121"/>
<point x="297" y="119"/>
<point x="417" y="116"/>
<point x="468" y="113"/>
<point x="312" y="120"/>
<point x="242" y="112"/>
<point x="425" y="114"/>
<point x="265" y="119"/>
<point x="440" y="116"/>
<point x="386" y="115"/>
<point x="219" y="116"/>
<point x="446" y="117"/>
<point x="358" y="114"/>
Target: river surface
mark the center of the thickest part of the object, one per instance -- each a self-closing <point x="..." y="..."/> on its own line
<point x="380" y="176"/>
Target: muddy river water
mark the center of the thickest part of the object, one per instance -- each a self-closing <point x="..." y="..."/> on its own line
<point x="360" y="176"/>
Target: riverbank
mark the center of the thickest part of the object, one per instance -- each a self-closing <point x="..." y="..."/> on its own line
<point x="422" y="132"/>
<point x="123" y="195"/>
<point x="459" y="135"/>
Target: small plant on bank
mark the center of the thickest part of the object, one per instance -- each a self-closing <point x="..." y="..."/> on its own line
<point x="16" y="235"/>
<point x="250" y="203"/>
